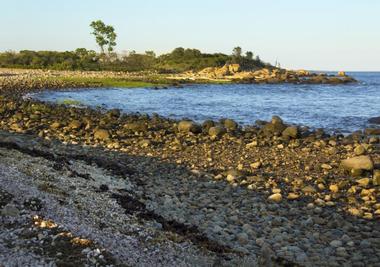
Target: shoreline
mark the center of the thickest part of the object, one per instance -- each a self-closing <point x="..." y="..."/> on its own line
<point x="266" y="189"/>
<point x="44" y="79"/>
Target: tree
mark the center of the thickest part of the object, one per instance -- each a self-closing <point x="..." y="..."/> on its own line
<point x="237" y="51"/>
<point x="104" y="35"/>
<point x="178" y="52"/>
<point x="150" y="54"/>
<point x="249" y="55"/>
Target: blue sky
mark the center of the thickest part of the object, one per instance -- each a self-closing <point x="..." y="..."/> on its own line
<point x="318" y="35"/>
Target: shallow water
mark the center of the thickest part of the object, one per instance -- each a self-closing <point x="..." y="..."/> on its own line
<point x="344" y="108"/>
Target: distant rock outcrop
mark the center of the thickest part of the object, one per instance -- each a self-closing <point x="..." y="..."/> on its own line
<point x="234" y="72"/>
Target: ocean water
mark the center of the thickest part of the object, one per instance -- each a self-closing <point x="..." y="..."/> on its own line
<point x="338" y="108"/>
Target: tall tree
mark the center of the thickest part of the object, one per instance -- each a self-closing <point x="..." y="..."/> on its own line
<point x="249" y="55"/>
<point x="237" y="51"/>
<point x="104" y="35"/>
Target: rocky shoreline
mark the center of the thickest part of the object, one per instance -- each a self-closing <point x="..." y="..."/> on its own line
<point x="264" y="194"/>
<point x="234" y="73"/>
<point x="21" y="81"/>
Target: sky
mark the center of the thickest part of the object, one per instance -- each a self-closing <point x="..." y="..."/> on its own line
<point x="300" y="34"/>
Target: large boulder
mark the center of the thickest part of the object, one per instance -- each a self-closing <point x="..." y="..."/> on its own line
<point x="189" y="127"/>
<point x="207" y="124"/>
<point x="233" y="68"/>
<point x="275" y="127"/>
<point x="216" y="131"/>
<point x="290" y="132"/>
<point x="276" y="120"/>
<point x="230" y="125"/>
<point x="358" y="163"/>
<point x="341" y="73"/>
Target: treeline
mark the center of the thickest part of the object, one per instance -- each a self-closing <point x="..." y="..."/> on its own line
<point x="179" y="60"/>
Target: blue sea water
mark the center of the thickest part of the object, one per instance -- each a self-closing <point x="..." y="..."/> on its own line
<point x="343" y="108"/>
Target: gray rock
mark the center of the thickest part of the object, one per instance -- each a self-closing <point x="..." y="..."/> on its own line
<point x="242" y="238"/>
<point x="336" y="243"/>
<point x="341" y="251"/>
<point x="10" y="210"/>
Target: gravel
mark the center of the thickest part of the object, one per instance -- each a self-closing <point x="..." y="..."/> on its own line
<point x="160" y="213"/>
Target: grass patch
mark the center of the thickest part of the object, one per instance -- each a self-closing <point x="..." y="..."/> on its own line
<point x="69" y="102"/>
<point x="108" y="82"/>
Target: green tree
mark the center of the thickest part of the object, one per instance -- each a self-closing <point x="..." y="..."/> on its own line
<point x="150" y="54"/>
<point x="249" y="55"/>
<point x="237" y="51"/>
<point x="104" y="35"/>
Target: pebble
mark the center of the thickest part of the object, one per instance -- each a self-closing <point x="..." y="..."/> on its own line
<point x="277" y="197"/>
<point x="242" y="238"/>
<point x="256" y="165"/>
<point x="293" y="196"/>
<point x="276" y="190"/>
<point x="308" y="189"/>
<point x="334" y="188"/>
<point x="363" y="182"/>
<point x="336" y="243"/>
<point x="376" y="177"/>
<point x="326" y="166"/>
<point x="230" y="178"/>
<point x="341" y="251"/>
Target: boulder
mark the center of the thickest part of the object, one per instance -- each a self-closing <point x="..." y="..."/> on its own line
<point x="276" y="119"/>
<point x="230" y="125"/>
<point x="207" y="124"/>
<point x="113" y="113"/>
<point x="188" y="127"/>
<point x="136" y="127"/>
<point x="341" y="73"/>
<point x="358" y="163"/>
<point x="216" y="131"/>
<point x="303" y="73"/>
<point x="275" y="127"/>
<point x="290" y="132"/>
<point x="359" y="150"/>
<point x="233" y="68"/>
<point x="223" y="71"/>
<point x="101" y="134"/>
